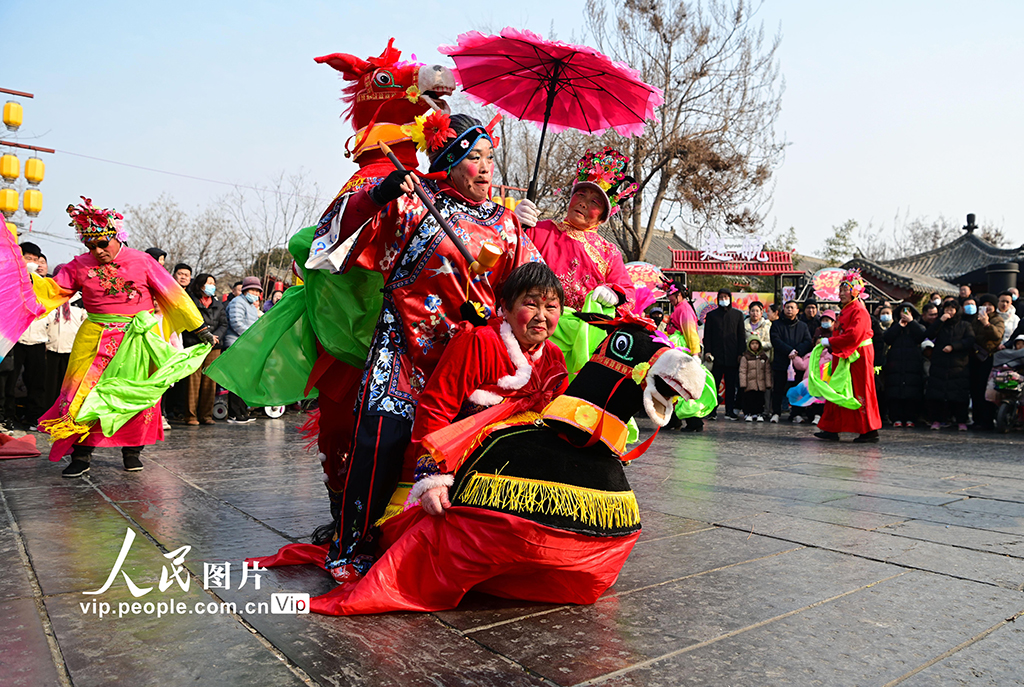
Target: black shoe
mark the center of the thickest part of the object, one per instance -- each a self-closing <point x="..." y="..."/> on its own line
<point x="674" y="423"/>
<point x="76" y="468"/>
<point x="132" y="462"/>
<point x="827" y="436"/>
<point x="867" y="438"/>
<point x="692" y="428"/>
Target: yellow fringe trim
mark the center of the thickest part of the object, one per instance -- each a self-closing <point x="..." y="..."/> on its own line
<point x="600" y="509"/>
<point x="397" y="503"/>
<point x="63" y="427"/>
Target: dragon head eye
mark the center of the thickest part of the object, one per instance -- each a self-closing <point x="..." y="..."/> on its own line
<point x="621" y="344"/>
<point x="383" y="78"/>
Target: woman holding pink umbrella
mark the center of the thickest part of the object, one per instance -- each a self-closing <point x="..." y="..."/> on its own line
<point x="584" y="261"/>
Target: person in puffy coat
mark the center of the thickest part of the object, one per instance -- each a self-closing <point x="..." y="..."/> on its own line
<point x="948" y="391"/>
<point x="904" y="367"/>
<point x="790" y="339"/>
<point x="725" y="341"/>
<point x="201" y="390"/>
<point x="755" y="380"/>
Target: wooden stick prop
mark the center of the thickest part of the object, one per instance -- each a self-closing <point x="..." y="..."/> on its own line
<point x="430" y="205"/>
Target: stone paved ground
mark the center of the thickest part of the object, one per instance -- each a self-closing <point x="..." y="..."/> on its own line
<point x="767" y="558"/>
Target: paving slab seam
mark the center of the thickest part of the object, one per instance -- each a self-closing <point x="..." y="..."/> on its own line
<point x="56" y="655"/>
<point x="216" y="498"/>
<point x="678" y="652"/>
<point x="627" y="592"/>
<point x="959" y="647"/>
<point x="511" y="661"/>
<point x="881" y="560"/>
<point x="962" y="547"/>
<point x="681" y="534"/>
<point x="295" y="669"/>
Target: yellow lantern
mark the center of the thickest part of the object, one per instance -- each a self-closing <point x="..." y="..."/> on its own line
<point x="34" y="170"/>
<point x="510" y="202"/>
<point x="12" y="115"/>
<point x="13" y="228"/>
<point x="10" y="167"/>
<point x="8" y="201"/>
<point x="32" y="201"/>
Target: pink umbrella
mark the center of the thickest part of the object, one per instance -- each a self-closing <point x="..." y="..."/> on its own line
<point x="562" y="85"/>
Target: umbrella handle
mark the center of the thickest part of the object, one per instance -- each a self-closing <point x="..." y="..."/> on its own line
<point x="531" y="192"/>
<point x="427" y="203"/>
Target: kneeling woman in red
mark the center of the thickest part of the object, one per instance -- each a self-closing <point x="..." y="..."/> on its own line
<point x="536" y="506"/>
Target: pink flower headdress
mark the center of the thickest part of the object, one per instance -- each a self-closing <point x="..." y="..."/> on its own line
<point x="91" y="222"/>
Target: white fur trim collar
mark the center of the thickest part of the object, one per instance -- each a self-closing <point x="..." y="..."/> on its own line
<point x="523" y="368"/>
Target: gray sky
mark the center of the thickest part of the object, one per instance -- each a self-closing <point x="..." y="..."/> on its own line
<point x="909" y="108"/>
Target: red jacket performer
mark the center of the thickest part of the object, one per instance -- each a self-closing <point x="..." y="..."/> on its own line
<point x="852" y="337"/>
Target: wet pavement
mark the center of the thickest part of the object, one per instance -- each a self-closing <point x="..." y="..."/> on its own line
<point x="767" y="558"/>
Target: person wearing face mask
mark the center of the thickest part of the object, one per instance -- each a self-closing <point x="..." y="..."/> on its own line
<point x="425" y="289"/>
<point x="879" y="326"/>
<point x="242" y="313"/>
<point x="584" y="261"/>
<point x="935" y="298"/>
<point x="201" y="391"/>
<point x="989" y="330"/>
<point x="1018" y="304"/>
<point x="948" y="390"/>
<point x="813" y="412"/>
<point x="904" y="367"/>
<point x="725" y="341"/>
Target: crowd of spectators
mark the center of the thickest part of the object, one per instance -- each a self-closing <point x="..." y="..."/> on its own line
<point x="932" y="361"/>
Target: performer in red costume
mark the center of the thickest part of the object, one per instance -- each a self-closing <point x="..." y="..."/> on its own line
<point x="425" y="293"/>
<point x="583" y="260"/>
<point x="852" y="341"/>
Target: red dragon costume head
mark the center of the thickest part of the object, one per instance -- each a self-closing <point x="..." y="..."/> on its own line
<point x="386" y="93"/>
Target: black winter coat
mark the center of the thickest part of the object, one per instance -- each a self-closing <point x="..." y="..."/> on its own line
<point x="789" y="335"/>
<point x="724" y="337"/>
<point x="904" y="366"/>
<point x="216" y="319"/>
<point x="949" y="377"/>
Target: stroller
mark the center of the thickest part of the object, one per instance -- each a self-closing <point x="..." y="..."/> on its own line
<point x="1005" y="384"/>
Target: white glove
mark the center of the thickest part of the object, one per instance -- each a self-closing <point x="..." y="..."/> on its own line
<point x="605" y="296"/>
<point x="31" y="267"/>
<point x="824" y="342"/>
<point x="527" y="213"/>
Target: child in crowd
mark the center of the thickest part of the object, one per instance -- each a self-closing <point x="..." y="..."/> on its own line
<point x="824" y="330"/>
<point x="755" y="378"/>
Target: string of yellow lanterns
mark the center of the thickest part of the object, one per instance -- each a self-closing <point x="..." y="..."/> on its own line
<point x="31" y="200"/>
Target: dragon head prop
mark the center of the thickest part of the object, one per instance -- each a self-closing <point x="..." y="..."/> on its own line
<point x="387" y="92"/>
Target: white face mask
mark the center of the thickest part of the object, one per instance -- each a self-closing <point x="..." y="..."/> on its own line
<point x="826" y="324"/>
<point x="723" y="303"/>
<point x="936" y="301"/>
